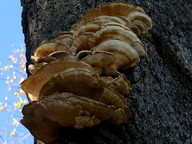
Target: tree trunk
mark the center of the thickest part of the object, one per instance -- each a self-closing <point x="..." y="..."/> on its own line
<point x="160" y="100"/>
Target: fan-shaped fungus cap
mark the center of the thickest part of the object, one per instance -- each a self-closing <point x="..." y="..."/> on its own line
<point x="91" y="108"/>
<point x="81" y="43"/>
<point x="113" y="31"/>
<point x="124" y="9"/>
<point x="66" y="109"/>
<point x="45" y="59"/>
<point x="116" y="88"/>
<point x="46" y="48"/>
<point x="97" y="22"/>
<point x="33" y="68"/>
<point x="139" y="28"/>
<point x="38" y="124"/>
<point x="99" y="59"/>
<point x="65" y="37"/>
<point x="78" y="81"/>
<point x="91" y="27"/>
<point x="109" y="97"/>
<point x="64" y="34"/>
<point x="83" y="53"/>
<point x="124" y="55"/>
<point x="57" y="55"/>
<point x="112" y="9"/>
<point x="120" y="85"/>
<point x="63" y="55"/>
<point x="140" y="47"/>
<point x="35" y="82"/>
<point x="135" y="15"/>
<point x="116" y="32"/>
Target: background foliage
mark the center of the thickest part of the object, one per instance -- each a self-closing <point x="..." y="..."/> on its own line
<point x="12" y="74"/>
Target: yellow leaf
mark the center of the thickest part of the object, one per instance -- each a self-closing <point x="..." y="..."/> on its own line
<point x="8" y="67"/>
<point x="1" y="108"/>
<point x="12" y="133"/>
<point x="18" y="104"/>
<point x="22" y="63"/>
<point x="15" y="122"/>
<point x="16" y="94"/>
<point x="21" y="51"/>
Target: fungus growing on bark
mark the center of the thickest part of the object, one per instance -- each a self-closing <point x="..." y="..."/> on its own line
<point x="46" y="72"/>
<point x="91" y="27"/>
<point x="33" y="68"/>
<point x="78" y="81"/>
<point x="117" y="32"/>
<point x="95" y="23"/>
<point x="57" y="55"/>
<point x="66" y="109"/>
<point x="38" y="124"/>
<point x="83" y="83"/>
<point x="99" y="59"/>
<point x="112" y="9"/>
<point x="63" y="55"/>
<point x="138" y="28"/>
<point x="48" y="47"/>
<point x="125" y="55"/>
<point x="139" y="16"/>
<point x="120" y="85"/>
<point x="45" y="59"/>
<point x="81" y="43"/>
<point x="125" y="9"/>
<point x="64" y="37"/>
<point x="71" y="82"/>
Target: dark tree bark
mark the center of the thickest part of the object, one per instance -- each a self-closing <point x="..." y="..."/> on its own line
<point x="160" y="100"/>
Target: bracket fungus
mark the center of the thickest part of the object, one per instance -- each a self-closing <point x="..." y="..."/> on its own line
<point x="75" y="80"/>
<point x="65" y="37"/>
<point x="78" y="81"/>
<point x="48" y="47"/>
<point x="99" y="59"/>
<point x="118" y="32"/>
<point x="81" y="43"/>
<point x="94" y="24"/>
<point x="66" y="109"/>
<point x="125" y="9"/>
<point x="33" y="84"/>
<point x="112" y="9"/>
<point x="125" y="55"/>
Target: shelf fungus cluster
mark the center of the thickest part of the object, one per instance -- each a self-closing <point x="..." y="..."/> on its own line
<point x="75" y="79"/>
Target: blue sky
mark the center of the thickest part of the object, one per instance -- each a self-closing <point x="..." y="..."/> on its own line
<point x="10" y="27"/>
<point x="11" y="37"/>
